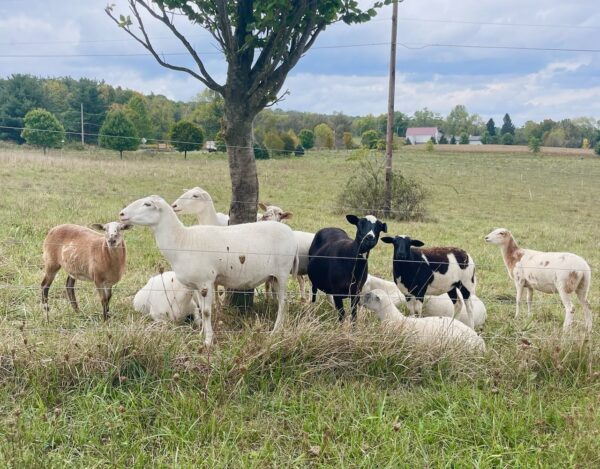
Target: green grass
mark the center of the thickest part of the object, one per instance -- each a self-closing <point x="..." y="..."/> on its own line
<point x="80" y="392"/>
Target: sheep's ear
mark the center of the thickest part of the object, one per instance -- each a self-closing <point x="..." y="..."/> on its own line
<point x="388" y="239"/>
<point x="97" y="226"/>
<point x="353" y="219"/>
<point x="286" y="215"/>
<point x="262" y="206"/>
<point x="125" y="226"/>
<point x="416" y="243"/>
<point x="384" y="227"/>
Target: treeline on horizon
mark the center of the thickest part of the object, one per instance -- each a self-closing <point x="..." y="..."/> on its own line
<point x="154" y="116"/>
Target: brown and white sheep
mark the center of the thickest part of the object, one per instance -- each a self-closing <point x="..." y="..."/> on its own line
<point x="85" y="255"/>
<point x="549" y="272"/>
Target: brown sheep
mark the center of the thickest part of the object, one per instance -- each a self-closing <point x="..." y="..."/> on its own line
<point x="85" y="255"/>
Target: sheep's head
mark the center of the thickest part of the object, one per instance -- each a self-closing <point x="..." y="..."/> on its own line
<point x="192" y="201"/>
<point x="145" y="211"/>
<point x="499" y="236"/>
<point x="368" y="230"/>
<point x="113" y="232"/>
<point x="377" y="301"/>
<point x="274" y="213"/>
<point x="402" y="245"/>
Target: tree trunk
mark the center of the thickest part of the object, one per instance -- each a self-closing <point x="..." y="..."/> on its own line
<point x="185" y="154"/>
<point x="121" y="154"/>
<point x="244" y="177"/>
<point x="242" y="165"/>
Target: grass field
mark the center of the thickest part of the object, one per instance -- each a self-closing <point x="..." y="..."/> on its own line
<point x="81" y="392"/>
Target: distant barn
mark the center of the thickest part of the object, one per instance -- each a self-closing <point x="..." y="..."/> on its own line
<point x="422" y="134"/>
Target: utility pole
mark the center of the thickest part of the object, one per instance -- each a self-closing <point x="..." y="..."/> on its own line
<point x="82" y="137"/>
<point x="387" y="204"/>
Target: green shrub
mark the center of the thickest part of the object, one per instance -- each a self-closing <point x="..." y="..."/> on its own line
<point x="507" y="139"/>
<point x="307" y="138"/>
<point x="381" y="144"/>
<point x="464" y="139"/>
<point x="43" y="129"/>
<point x="299" y="150"/>
<point x="597" y="149"/>
<point x="364" y="192"/>
<point x="534" y="144"/>
<point x="443" y="140"/>
<point x="369" y="139"/>
<point x="220" y="142"/>
<point x="429" y="146"/>
<point x="260" y="152"/>
<point x="289" y="145"/>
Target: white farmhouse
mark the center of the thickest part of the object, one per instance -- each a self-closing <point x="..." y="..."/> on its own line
<point x="422" y="134"/>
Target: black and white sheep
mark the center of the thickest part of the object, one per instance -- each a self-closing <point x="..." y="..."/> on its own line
<point x="338" y="264"/>
<point x="433" y="271"/>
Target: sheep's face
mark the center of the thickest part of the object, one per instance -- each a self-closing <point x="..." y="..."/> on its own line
<point x="499" y="236"/>
<point x="402" y="245"/>
<point x="194" y="201"/>
<point x="113" y="232"/>
<point x="145" y="212"/>
<point x="274" y="213"/>
<point x="368" y="230"/>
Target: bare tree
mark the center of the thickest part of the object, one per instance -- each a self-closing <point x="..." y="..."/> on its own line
<point x="261" y="40"/>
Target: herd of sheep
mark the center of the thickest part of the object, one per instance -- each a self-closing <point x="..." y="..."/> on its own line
<point x="437" y="284"/>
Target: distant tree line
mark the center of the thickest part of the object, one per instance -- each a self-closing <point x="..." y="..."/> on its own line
<point x="130" y="115"/>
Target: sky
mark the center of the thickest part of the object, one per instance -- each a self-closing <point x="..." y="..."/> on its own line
<point x="346" y="71"/>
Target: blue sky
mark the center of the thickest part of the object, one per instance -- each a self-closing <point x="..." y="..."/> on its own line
<point x="527" y="84"/>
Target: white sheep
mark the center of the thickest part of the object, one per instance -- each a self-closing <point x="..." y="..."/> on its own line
<point x="304" y="239"/>
<point x="85" y="255"/>
<point x="431" y="330"/>
<point x="440" y="305"/>
<point x="198" y="202"/>
<point x="165" y="299"/>
<point x="239" y="257"/>
<point x="547" y="272"/>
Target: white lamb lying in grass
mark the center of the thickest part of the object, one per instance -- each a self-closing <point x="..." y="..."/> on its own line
<point x="165" y="299"/>
<point x="431" y="330"/>
<point x="440" y="305"/>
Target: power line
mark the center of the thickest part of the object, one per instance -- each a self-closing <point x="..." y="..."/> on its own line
<point x="404" y="19"/>
<point x="336" y="46"/>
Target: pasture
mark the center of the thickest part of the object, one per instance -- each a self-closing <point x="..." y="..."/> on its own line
<point x="78" y="391"/>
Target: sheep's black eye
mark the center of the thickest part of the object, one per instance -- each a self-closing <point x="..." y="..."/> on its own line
<point x="148" y="204"/>
<point x="195" y="196"/>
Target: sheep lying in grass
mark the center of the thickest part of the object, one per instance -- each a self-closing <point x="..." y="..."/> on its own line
<point x="548" y="272"/>
<point x="440" y="305"/>
<point x="431" y="330"/>
<point x="165" y="299"/>
<point x="85" y="255"/>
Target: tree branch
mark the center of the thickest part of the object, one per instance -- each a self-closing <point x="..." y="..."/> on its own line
<point x="203" y="77"/>
<point x="165" y="20"/>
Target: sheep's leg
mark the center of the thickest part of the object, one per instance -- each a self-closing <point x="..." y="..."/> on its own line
<point x="529" y="297"/>
<point x="314" y="293"/>
<point x="569" y="308"/>
<point x="71" y="293"/>
<point x="411" y="304"/>
<point x="268" y="287"/>
<point x="519" y="287"/>
<point x="587" y="310"/>
<point x="339" y="305"/>
<point x="281" y="291"/>
<point x="418" y="307"/>
<point x="453" y="294"/>
<point x="202" y="315"/>
<point x="468" y="303"/>
<point x="354" y="299"/>
<point x="105" y="295"/>
<point x="46" y="282"/>
<point x="301" y="287"/>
